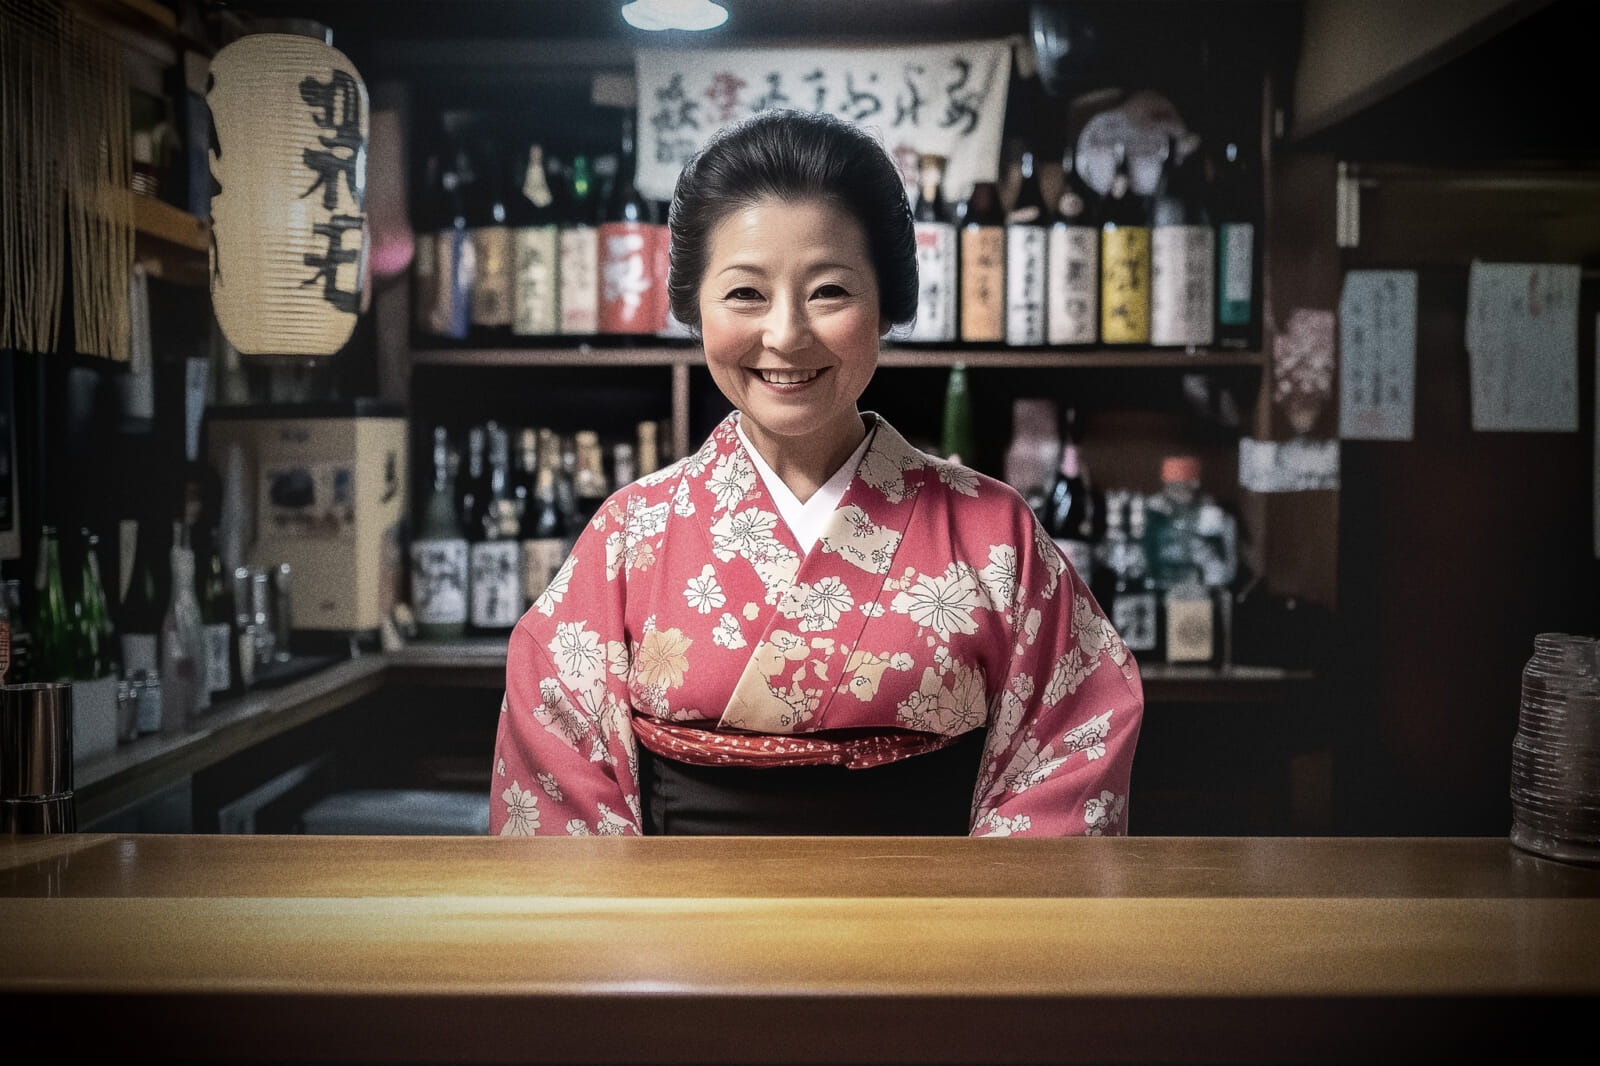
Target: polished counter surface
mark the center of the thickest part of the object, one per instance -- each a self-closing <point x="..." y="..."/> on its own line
<point x="791" y="950"/>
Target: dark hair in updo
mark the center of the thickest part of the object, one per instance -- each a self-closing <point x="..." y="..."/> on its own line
<point x="794" y="155"/>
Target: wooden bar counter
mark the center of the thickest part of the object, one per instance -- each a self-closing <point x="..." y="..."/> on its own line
<point x="419" y="949"/>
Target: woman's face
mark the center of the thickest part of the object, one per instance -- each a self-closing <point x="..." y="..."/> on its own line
<point x="789" y="318"/>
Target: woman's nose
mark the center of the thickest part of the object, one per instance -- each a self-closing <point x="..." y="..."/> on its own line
<point x="786" y="328"/>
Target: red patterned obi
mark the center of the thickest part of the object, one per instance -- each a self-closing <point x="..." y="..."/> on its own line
<point x="855" y="749"/>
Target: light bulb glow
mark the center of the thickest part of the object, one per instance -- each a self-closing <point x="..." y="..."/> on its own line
<point x="674" y="14"/>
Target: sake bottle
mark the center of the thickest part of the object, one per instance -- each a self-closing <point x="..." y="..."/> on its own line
<point x="1072" y="303"/>
<point x="983" y="265"/>
<point x="535" y="251"/>
<point x="937" y="257"/>
<point x="1027" y="238"/>
<point x="1124" y="261"/>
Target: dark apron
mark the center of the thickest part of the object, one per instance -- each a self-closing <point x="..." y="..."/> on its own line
<point x="924" y="795"/>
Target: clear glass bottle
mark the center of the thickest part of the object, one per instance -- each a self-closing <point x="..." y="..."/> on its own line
<point x="1555" y="754"/>
<point x="217" y="620"/>
<point x="589" y="481"/>
<point x="183" y="690"/>
<point x="1034" y="451"/>
<point x="494" y="553"/>
<point x="99" y="654"/>
<point x="439" y="569"/>
<point x="647" y="457"/>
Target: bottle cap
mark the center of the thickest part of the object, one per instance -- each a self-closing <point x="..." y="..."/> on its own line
<point x="1180" y="468"/>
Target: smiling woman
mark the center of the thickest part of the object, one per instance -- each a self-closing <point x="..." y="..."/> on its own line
<point x="809" y="627"/>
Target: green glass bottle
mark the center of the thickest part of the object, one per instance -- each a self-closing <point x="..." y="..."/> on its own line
<point x="54" y="634"/>
<point x="956" y="440"/>
<point x="98" y="653"/>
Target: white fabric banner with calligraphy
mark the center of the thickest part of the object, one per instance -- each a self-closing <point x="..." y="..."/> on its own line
<point x="942" y="99"/>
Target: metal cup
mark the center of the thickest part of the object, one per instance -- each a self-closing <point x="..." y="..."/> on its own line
<point x="36" y="759"/>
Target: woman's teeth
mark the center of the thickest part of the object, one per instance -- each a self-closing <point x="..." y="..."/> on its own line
<point x="787" y="377"/>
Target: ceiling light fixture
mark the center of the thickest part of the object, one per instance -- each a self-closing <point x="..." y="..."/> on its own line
<point x="674" y="14"/>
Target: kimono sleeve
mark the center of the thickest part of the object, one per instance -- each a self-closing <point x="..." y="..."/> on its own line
<point x="565" y="757"/>
<point x="1059" y="752"/>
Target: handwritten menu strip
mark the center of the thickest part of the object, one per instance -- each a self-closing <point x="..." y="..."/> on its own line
<point x="1378" y="355"/>
<point x="943" y="99"/>
<point x="1522" y="346"/>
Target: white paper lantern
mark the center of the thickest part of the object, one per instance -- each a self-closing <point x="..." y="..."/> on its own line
<point x="288" y="218"/>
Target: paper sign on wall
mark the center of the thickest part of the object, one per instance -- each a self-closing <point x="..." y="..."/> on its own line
<point x="1377" y="354"/>
<point x="946" y="99"/>
<point x="1522" y="346"/>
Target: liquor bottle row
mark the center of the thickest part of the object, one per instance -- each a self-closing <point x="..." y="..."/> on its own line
<point x="1162" y="565"/>
<point x="495" y="530"/>
<point x="177" y="639"/>
<point x="534" y="246"/>
<point x="1175" y="269"/>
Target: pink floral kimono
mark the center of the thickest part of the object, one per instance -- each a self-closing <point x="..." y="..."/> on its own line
<point x="933" y="604"/>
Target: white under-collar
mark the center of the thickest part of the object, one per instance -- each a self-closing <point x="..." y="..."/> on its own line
<point x="807" y="519"/>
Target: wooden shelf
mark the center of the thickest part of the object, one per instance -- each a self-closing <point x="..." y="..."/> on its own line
<point x="173" y="245"/>
<point x="655" y="354"/>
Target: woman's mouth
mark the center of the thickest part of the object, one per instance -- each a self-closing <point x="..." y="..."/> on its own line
<point x="785" y="377"/>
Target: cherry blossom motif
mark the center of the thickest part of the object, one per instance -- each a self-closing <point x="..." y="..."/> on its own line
<point x="577" y="654"/>
<point x="662" y="658"/>
<point x="1096" y="635"/>
<point x="732" y="479"/>
<point x="865" y="671"/>
<point x="853" y="536"/>
<point x="1101" y="813"/>
<point x="886" y="463"/>
<point x="683" y="573"/>
<point x="1070" y="671"/>
<point x="683" y="500"/>
<point x="817" y="606"/>
<point x="522" y="811"/>
<point x="950" y="699"/>
<point x="1090" y="737"/>
<point x="943" y="603"/>
<point x="993" y="824"/>
<point x="556" y="591"/>
<point x="1055" y="564"/>
<point x="960" y="478"/>
<point x="999" y="579"/>
<point x="703" y="592"/>
<point x="728" y="634"/>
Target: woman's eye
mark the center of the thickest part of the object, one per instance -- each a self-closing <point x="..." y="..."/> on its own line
<point x="744" y="293"/>
<point x="831" y="292"/>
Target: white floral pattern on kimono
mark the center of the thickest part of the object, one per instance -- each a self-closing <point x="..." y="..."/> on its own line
<point x="933" y="601"/>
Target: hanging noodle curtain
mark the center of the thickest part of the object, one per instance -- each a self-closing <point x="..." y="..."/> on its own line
<point x="65" y="166"/>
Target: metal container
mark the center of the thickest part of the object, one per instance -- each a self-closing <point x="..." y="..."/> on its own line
<point x="36" y="759"/>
